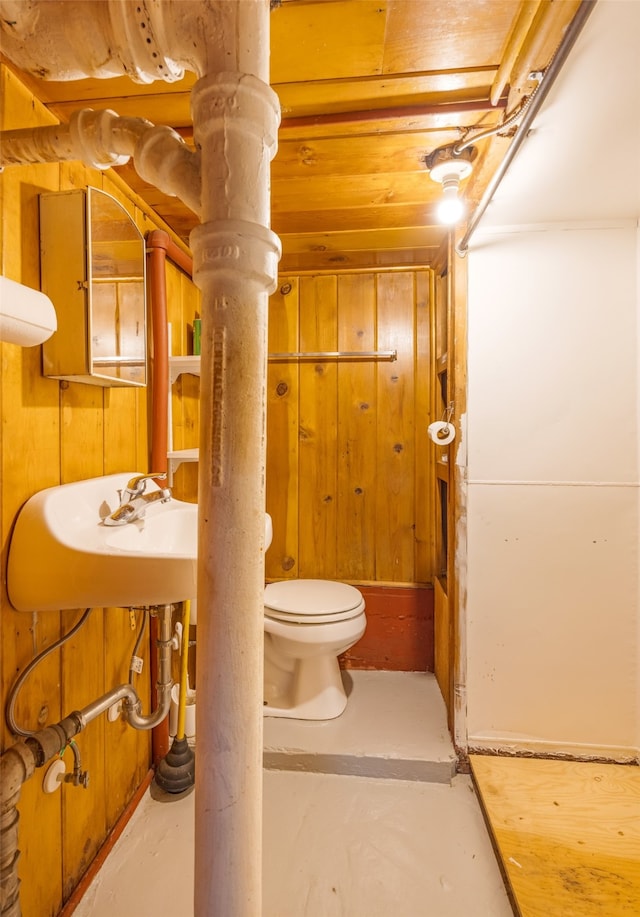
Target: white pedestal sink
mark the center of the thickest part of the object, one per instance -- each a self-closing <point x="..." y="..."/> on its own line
<point x="62" y="556"/>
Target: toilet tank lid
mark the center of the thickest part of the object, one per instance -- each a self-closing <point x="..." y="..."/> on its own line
<point x="311" y="596"/>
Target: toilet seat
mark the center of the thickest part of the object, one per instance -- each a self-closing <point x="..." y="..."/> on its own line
<point x="311" y="601"/>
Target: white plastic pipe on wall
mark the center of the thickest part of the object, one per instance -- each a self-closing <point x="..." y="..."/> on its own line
<point x="102" y="139"/>
<point x="235" y="116"/>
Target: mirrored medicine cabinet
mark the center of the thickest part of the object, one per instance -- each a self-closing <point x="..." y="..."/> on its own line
<point x="92" y="261"/>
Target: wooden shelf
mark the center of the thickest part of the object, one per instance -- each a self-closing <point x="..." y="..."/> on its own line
<point x="177" y="457"/>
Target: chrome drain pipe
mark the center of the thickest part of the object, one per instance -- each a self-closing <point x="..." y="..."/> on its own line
<point x="132" y="704"/>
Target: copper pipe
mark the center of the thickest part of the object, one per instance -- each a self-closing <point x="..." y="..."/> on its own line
<point x="387" y="114"/>
<point x="160" y="247"/>
<point x="375" y="114"/>
<point x="162" y="239"/>
<point x="157" y="244"/>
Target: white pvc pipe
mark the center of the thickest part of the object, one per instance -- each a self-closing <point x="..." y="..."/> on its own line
<point x="102" y="139"/>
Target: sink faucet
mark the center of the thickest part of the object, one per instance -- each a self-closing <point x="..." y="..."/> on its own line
<point x="134" y="500"/>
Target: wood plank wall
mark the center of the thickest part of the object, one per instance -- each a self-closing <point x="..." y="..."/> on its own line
<point x="183" y="305"/>
<point x="54" y="433"/>
<point x="349" y="466"/>
<point x="348" y="458"/>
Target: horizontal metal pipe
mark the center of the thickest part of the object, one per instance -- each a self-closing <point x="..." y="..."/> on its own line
<point x="387" y="114"/>
<point x="128" y="694"/>
<point x="389" y="355"/>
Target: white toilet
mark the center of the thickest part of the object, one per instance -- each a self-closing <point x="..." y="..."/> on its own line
<point x="308" y="623"/>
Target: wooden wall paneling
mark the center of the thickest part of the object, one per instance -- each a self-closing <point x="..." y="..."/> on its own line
<point x="82" y="431"/>
<point x="183" y="305"/>
<point x="30" y="457"/>
<point x="442" y="641"/>
<point x="127" y="751"/>
<point x="283" y="433"/>
<point x="40" y="831"/>
<point x="52" y="433"/>
<point x="359" y="190"/>
<point x="457" y="509"/>
<point x="448" y="28"/>
<point x="142" y="437"/>
<point x="395" y="459"/>
<point x="369" y="254"/>
<point x="121" y="447"/>
<point x="83" y="811"/>
<point x="357" y="431"/>
<point x="440" y="315"/>
<point x="439" y="401"/>
<point x="424" y="494"/>
<point x="358" y="30"/>
<point x="318" y="429"/>
<point x="82" y="409"/>
<point x="440" y="320"/>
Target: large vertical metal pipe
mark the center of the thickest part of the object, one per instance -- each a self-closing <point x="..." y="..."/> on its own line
<point x="236" y="116"/>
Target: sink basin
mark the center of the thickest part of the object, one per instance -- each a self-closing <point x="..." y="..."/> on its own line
<point x="61" y="555"/>
<point x="173" y="531"/>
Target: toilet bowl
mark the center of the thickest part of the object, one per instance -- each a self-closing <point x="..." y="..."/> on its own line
<point x="308" y="624"/>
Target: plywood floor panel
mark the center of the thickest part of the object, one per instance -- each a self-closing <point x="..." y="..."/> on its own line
<point x="568" y="834"/>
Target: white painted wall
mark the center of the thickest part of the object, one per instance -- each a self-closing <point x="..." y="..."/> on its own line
<point x="553" y="444"/>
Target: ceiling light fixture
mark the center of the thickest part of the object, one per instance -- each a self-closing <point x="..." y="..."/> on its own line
<point x="449" y="167"/>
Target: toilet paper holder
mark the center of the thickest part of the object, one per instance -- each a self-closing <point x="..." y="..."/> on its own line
<point x="442" y="432"/>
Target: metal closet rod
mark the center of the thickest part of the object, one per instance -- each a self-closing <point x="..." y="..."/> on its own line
<point x="389" y="355"/>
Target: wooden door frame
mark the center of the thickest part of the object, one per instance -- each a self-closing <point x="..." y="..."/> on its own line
<point x="451" y="623"/>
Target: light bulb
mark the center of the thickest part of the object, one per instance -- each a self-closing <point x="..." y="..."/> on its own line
<point x="449" y="167"/>
<point x="451" y="208"/>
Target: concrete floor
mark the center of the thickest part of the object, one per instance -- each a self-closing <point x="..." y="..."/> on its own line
<point x="377" y="838"/>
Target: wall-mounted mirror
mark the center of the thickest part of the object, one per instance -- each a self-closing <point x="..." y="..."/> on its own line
<point x="92" y="258"/>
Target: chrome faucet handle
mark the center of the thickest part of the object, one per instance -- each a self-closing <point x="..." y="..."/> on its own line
<point x="137" y="485"/>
